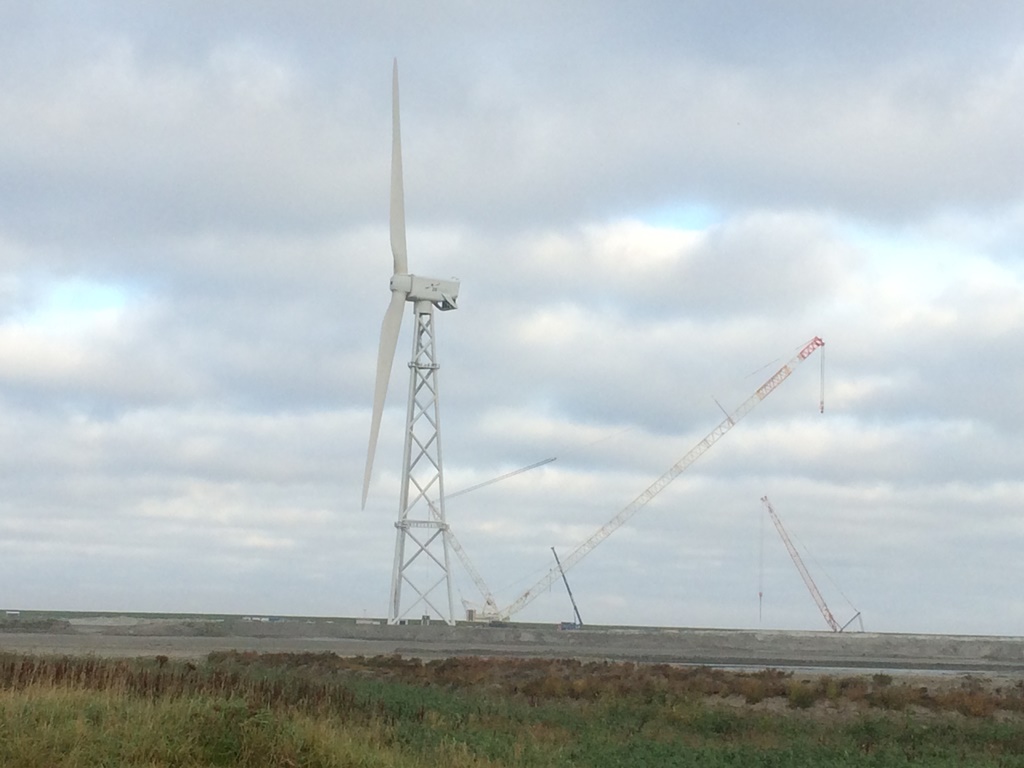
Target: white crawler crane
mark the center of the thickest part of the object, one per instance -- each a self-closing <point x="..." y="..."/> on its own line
<point x="421" y="544"/>
<point x="662" y="482"/>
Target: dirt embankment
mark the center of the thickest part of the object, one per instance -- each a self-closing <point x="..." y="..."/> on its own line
<point x="197" y="636"/>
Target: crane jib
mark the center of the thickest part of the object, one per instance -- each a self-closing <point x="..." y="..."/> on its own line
<point x="812" y="345"/>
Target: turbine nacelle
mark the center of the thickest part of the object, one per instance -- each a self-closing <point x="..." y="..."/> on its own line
<point x="443" y="294"/>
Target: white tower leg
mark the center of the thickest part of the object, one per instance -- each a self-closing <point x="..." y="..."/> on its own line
<point x="421" y="546"/>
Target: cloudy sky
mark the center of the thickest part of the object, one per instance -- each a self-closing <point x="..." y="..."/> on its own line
<point x="650" y="207"/>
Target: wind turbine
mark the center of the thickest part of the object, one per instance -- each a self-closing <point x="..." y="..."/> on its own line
<point x="421" y="538"/>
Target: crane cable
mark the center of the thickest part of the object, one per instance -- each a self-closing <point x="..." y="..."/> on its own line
<point x="821" y="404"/>
<point x="760" y="576"/>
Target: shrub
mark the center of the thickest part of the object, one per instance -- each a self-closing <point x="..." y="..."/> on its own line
<point x="801" y="694"/>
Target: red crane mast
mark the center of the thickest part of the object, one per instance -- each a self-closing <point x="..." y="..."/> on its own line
<point x="804" y="573"/>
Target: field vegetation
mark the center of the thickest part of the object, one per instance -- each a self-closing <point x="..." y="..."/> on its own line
<point x="240" y="709"/>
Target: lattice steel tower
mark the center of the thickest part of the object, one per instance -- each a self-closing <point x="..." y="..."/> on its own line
<point x="421" y="527"/>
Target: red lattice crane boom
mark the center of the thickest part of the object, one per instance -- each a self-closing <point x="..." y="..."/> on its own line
<point x="804" y="573"/>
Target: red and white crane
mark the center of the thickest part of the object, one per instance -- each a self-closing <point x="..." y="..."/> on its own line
<point x="804" y="573"/>
<point x="731" y="419"/>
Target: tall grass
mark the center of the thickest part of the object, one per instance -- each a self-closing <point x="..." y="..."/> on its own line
<point x="315" y="710"/>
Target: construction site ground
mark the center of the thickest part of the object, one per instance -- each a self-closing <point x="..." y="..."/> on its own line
<point x="196" y="636"/>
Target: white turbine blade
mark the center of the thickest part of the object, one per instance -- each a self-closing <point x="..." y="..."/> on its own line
<point x="397" y="192"/>
<point x="385" y="357"/>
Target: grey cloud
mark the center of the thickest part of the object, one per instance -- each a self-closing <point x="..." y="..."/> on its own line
<point x="248" y="133"/>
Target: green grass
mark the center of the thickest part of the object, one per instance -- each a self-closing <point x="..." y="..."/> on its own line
<point x="321" y="710"/>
